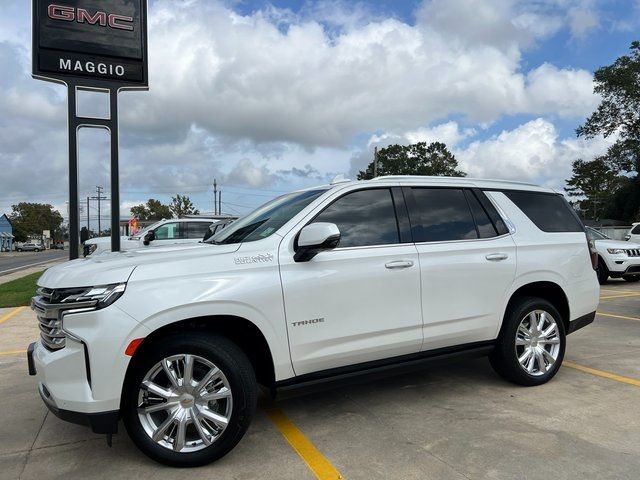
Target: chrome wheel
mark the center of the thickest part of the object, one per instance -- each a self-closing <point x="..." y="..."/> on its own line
<point x="184" y="403"/>
<point x="537" y="342"/>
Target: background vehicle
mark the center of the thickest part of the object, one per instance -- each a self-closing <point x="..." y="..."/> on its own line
<point x="171" y="231"/>
<point x="634" y="233"/>
<point x="616" y="259"/>
<point x="28" y="247"/>
<point x="330" y="280"/>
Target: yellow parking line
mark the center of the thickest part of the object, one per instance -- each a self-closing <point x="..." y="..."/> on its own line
<point x="13" y="352"/>
<point x="618" y="291"/>
<point x="11" y="314"/>
<point x="602" y="373"/>
<point x="622" y="295"/>
<point x="317" y="463"/>
<point x="618" y="316"/>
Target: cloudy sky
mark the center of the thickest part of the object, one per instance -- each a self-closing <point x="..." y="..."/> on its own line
<point x="270" y="96"/>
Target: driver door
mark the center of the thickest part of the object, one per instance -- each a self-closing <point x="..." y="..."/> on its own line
<point x="359" y="302"/>
<point x="167" y="234"/>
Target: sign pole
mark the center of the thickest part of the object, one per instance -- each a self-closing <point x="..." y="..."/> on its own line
<point x="74" y="227"/>
<point x="115" y="173"/>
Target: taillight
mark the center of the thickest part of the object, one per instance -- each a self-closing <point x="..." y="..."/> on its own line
<point x="593" y="253"/>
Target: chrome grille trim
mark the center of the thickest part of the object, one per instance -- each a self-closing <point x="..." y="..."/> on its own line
<point x="50" y="317"/>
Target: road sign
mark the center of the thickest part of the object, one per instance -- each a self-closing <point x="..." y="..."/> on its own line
<point x="98" y="45"/>
<point x="91" y="40"/>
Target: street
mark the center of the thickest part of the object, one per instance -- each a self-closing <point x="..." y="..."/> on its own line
<point x="15" y="261"/>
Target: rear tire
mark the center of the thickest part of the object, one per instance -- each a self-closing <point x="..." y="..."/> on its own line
<point x="543" y="338"/>
<point x="602" y="271"/>
<point x="208" y="410"/>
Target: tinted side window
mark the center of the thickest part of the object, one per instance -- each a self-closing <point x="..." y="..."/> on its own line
<point x="440" y="214"/>
<point x="168" y="231"/>
<point x="197" y="229"/>
<point x="550" y="213"/>
<point x="485" y="227"/>
<point x="364" y="217"/>
<point x="636" y="230"/>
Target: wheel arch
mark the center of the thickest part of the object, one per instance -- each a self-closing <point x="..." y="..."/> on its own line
<point x="244" y="333"/>
<point x="550" y="291"/>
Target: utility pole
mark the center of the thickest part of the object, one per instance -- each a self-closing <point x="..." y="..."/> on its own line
<point x="88" y="215"/>
<point x="220" y="202"/>
<point x="375" y="162"/>
<point x="215" y="197"/>
<point x="98" y="197"/>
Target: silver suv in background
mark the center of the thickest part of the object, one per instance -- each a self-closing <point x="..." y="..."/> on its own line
<point x="28" y="247"/>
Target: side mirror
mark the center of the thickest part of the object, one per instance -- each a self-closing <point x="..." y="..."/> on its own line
<point x="316" y="238"/>
<point x="149" y="237"/>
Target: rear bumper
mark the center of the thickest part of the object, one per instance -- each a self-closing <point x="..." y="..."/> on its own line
<point x="581" y="322"/>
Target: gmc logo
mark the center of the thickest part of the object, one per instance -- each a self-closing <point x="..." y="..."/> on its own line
<point x="80" y="15"/>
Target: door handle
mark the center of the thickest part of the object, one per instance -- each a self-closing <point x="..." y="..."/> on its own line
<point x="399" y="264"/>
<point x="496" y="257"/>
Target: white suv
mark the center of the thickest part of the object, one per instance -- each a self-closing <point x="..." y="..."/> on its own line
<point x="616" y="259"/>
<point x="165" y="232"/>
<point x="634" y="233"/>
<point x="325" y="281"/>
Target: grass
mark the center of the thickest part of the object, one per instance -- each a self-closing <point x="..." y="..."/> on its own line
<point x="18" y="292"/>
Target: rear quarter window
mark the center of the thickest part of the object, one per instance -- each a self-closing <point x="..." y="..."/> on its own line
<point x="549" y="212"/>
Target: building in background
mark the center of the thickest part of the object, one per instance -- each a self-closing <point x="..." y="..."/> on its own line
<point x="6" y="234"/>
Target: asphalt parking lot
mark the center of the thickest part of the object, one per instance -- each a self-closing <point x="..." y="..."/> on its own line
<point x="444" y="421"/>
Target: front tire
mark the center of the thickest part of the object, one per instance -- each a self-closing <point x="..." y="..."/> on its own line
<point x="602" y="271"/>
<point x="531" y="344"/>
<point x="189" y="399"/>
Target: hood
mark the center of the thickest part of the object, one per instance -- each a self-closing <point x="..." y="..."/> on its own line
<point x="116" y="267"/>
<point x="617" y="244"/>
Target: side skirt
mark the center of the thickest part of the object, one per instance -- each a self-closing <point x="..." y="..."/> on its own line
<point x="476" y="349"/>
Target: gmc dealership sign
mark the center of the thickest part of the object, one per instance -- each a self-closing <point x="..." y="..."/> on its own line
<point x="91" y="41"/>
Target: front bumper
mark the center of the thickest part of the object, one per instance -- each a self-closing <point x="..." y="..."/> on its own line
<point x="82" y="381"/>
<point x="101" y="422"/>
<point x="621" y="265"/>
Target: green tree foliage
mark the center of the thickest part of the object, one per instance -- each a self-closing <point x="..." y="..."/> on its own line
<point x="181" y="205"/>
<point x="32" y="218"/>
<point x="625" y="203"/>
<point x="596" y="182"/>
<point x="415" y="159"/>
<point x="152" y="210"/>
<point x="619" y="112"/>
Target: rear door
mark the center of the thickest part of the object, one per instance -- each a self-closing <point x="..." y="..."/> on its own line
<point x="467" y="264"/>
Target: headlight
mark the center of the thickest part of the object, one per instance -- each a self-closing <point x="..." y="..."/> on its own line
<point x="616" y="251"/>
<point x="100" y="297"/>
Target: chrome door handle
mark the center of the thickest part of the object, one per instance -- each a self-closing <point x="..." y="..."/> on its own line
<point x="496" y="257"/>
<point x="399" y="264"/>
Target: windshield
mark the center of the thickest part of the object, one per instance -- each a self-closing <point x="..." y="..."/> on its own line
<point x="596" y="235"/>
<point x="265" y="220"/>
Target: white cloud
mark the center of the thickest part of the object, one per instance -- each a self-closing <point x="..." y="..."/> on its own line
<point x="582" y="21"/>
<point x="246" y="77"/>
<point x="533" y="151"/>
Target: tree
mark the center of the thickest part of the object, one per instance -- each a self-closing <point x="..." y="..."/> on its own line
<point x="415" y="159"/>
<point x="153" y="210"/>
<point x="619" y="111"/>
<point x="181" y="205"/>
<point x="597" y="182"/>
<point x="32" y="218"/>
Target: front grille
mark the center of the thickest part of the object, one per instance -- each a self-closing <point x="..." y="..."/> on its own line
<point x="633" y="252"/>
<point x="50" y="315"/>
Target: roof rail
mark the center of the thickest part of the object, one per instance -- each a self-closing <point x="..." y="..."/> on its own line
<point x="444" y="178"/>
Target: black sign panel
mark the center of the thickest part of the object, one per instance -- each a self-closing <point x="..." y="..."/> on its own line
<point x="91" y="41"/>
